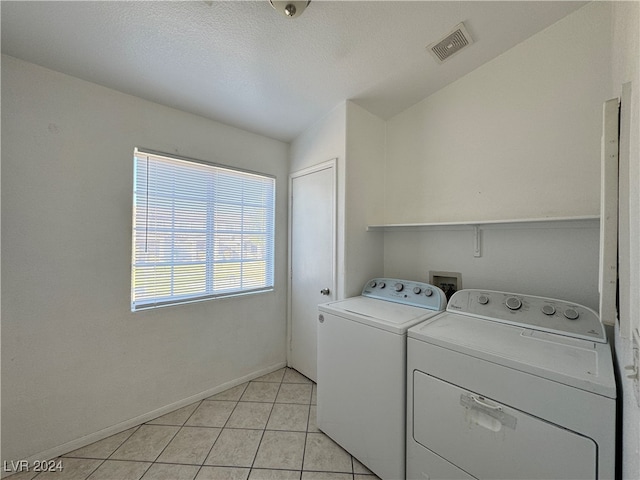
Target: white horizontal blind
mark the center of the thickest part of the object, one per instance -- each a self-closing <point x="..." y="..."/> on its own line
<point x="199" y="231"/>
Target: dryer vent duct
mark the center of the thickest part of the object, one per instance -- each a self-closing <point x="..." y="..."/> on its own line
<point x="455" y="41"/>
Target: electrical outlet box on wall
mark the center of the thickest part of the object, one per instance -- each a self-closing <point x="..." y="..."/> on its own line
<point x="448" y="282"/>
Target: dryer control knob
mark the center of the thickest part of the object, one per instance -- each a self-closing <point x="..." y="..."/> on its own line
<point x="428" y="292"/>
<point x="571" y="313"/>
<point x="382" y="285"/>
<point x="398" y="287"/>
<point x="513" y="303"/>
<point x="483" y="299"/>
<point x="548" y="309"/>
<point x="372" y="284"/>
<point x="417" y="290"/>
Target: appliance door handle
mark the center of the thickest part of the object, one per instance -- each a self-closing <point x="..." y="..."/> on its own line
<point x="495" y="411"/>
<point x="481" y="401"/>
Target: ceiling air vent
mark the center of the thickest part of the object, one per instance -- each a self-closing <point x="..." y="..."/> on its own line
<point x="455" y="41"/>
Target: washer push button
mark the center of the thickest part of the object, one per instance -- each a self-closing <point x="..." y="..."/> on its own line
<point x="548" y="309"/>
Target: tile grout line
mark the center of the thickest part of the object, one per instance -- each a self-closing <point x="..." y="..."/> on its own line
<point x="306" y="434"/>
<point x="172" y="438"/>
<point x="266" y="423"/>
<point x="102" y="460"/>
<point x="109" y="456"/>
<point x="221" y="430"/>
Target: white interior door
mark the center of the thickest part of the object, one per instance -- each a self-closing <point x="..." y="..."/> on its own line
<point x="312" y="247"/>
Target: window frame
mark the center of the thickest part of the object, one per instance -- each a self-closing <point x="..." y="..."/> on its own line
<point x="139" y="304"/>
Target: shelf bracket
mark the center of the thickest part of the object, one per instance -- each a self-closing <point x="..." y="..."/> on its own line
<point x="477" y="252"/>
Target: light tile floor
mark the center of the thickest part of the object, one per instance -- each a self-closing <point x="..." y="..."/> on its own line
<point x="262" y="430"/>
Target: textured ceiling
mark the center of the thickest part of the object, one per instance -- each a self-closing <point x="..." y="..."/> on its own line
<point x="244" y="64"/>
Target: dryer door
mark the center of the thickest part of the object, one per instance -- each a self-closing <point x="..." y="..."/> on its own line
<point x="493" y="441"/>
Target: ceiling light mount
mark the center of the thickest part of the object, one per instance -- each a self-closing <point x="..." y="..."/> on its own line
<point x="290" y="8"/>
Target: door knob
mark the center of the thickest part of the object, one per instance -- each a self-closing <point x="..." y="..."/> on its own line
<point x="325" y="291"/>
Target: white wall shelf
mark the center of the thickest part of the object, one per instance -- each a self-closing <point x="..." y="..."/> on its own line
<point x="472" y="223"/>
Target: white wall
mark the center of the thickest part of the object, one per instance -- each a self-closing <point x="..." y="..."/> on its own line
<point x="324" y="140"/>
<point x="75" y="360"/>
<point x="364" y="197"/>
<point x="557" y="260"/>
<point x="625" y="55"/>
<point x="519" y="137"/>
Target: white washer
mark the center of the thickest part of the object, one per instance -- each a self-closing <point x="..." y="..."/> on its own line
<point x="508" y="386"/>
<point x="362" y="369"/>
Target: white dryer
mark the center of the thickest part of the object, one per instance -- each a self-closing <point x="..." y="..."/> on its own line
<point x="362" y="369"/>
<point x="508" y="386"/>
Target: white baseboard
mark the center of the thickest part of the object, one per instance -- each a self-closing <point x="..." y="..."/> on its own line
<point x="140" y="419"/>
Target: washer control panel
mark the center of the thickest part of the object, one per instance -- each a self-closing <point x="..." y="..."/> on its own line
<point x="407" y="292"/>
<point x="537" y="313"/>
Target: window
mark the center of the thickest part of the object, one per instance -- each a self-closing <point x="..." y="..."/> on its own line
<point x="199" y="231"/>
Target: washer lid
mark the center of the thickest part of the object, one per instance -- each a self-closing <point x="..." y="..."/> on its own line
<point x="390" y="316"/>
<point x="579" y="363"/>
